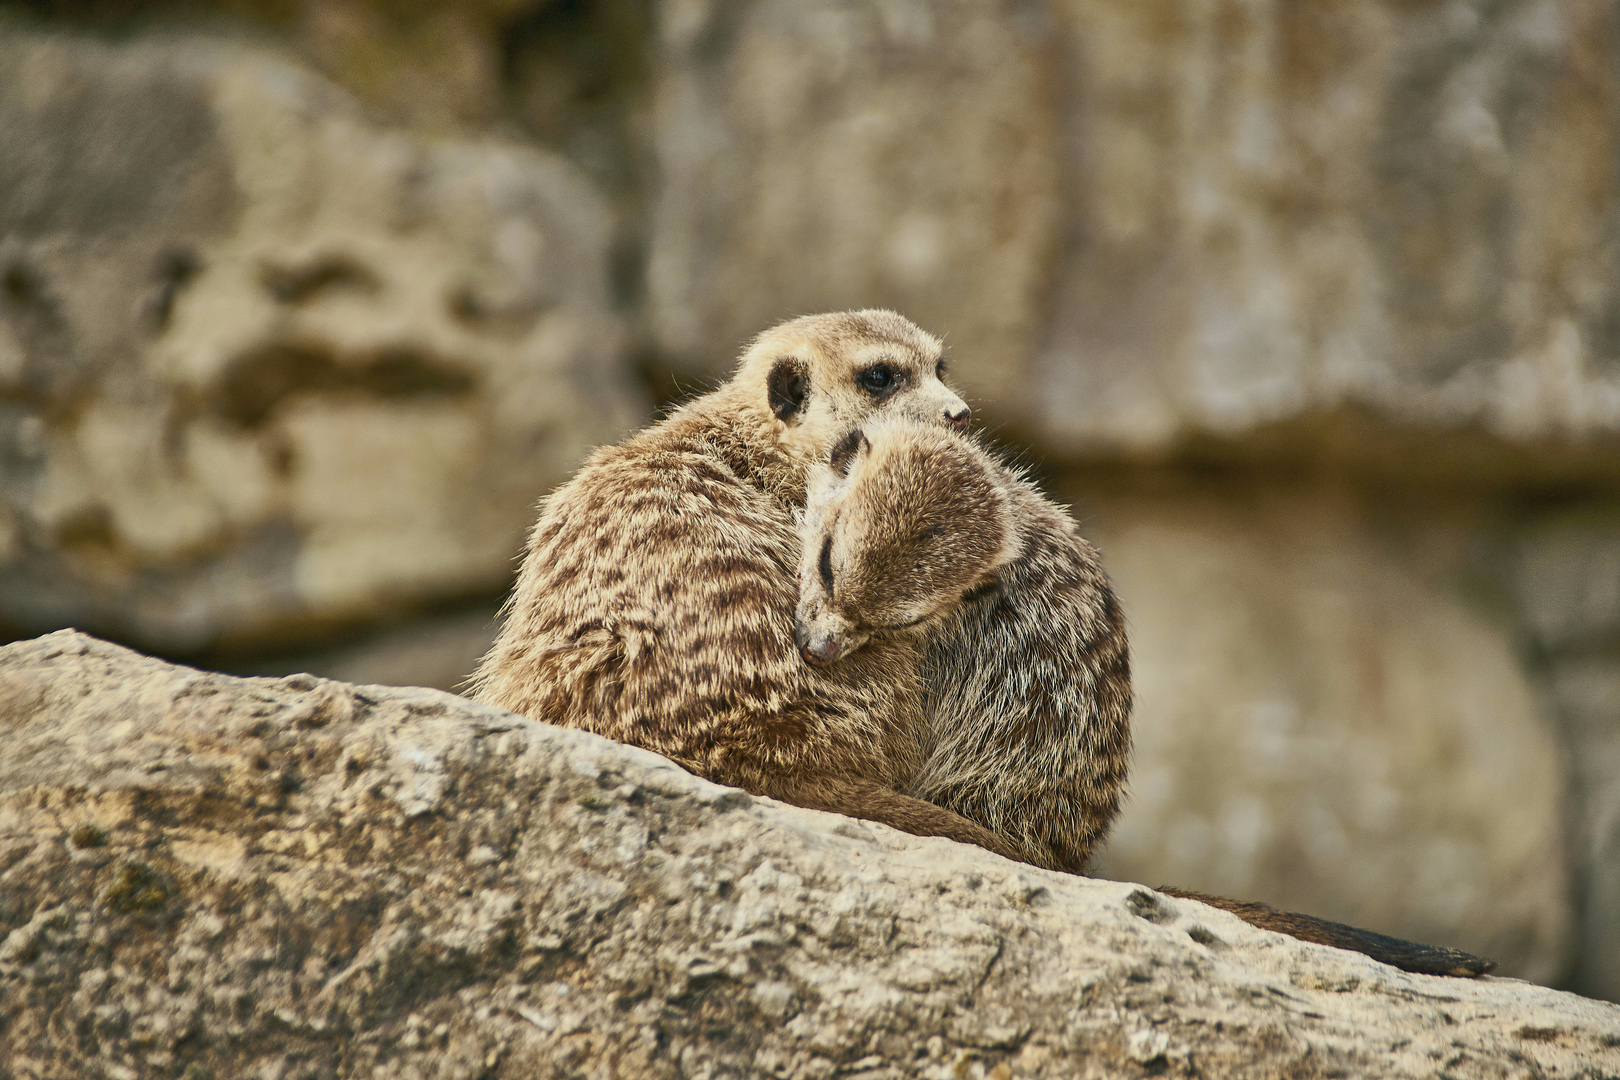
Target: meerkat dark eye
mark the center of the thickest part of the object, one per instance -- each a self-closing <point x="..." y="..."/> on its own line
<point x="878" y="379"/>
<point x="939" y="370"/>
<point x="825" y="565"/>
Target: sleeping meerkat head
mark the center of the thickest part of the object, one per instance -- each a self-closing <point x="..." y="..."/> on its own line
<point x="903" y="518"/>
<point x="814" y="378"/>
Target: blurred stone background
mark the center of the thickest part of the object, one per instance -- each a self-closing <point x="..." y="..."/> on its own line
<point x="1310" y="308"/>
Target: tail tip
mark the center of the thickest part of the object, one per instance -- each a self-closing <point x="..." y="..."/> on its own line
<point x="1464" y="965"/>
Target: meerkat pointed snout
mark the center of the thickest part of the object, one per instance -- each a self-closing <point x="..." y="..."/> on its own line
<point x="825" y="637"/>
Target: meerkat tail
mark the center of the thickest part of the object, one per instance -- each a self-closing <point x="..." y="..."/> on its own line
<point x="871" y="801"/>
<point x="1406" y="955"/>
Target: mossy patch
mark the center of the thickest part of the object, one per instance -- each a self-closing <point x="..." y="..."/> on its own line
<point x="135" y="887"/>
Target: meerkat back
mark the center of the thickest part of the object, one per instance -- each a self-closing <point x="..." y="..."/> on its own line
<point x="1029" y="694"/>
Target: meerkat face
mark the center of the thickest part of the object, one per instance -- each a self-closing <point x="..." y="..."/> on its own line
<point x="902" y="520"/>
<point x="822" y="375"/>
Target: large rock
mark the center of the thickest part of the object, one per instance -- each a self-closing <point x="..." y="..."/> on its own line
<point x="208" y="876"/>
<point x="265" y="366"/>
<point x="1140" y="222"/>
<point x="1325" y="720"/>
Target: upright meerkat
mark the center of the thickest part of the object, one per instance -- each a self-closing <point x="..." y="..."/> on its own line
<point x="911" y="530"/>
<point x="655" y="601"/>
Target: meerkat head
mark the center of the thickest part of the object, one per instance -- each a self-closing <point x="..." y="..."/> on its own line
<point x="817" y="377"/>
<point x="903" y="518"/>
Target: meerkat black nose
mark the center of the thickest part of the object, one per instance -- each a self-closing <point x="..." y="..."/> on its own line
<point x="818" y="650"/>
<point x="958" y="418"/>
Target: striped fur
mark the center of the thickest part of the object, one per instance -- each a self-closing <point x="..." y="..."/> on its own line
<point x="1028" y="690"/>
<point x="655" y="601"/>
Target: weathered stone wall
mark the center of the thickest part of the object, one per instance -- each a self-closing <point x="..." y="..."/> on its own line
<point x="207" y="876"/>
<point x="1568" y="590"/>
<point x="1324" y="715"/>
<point x="266" y="366"/>
<point x="1139" y="221"/>
<point x="1310" y="310"/>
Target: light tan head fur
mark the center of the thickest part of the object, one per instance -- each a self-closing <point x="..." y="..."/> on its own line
<point x="902" y="520"/>
<point x="812" y="379"/>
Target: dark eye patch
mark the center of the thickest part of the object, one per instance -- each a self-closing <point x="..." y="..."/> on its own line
<point x="786" y="385"/>
<point x="844" y="451"/>
<point x="879" y="379"/>
<point x="825" y="565"/>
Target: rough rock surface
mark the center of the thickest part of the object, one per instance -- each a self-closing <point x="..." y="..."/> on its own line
<point x="1409" y="207"/>
<point x="265" y="365"/>
<point x="1138" y="221"/>
<point x="209" y="876"/>
<point x="1279" y="237"/>
<point x="1326" y="721"/>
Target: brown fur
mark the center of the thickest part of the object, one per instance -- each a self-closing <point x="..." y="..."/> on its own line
<point x="910" y="529"/>
<point x="1025" y="660"/>
<point x="655" y="601"/>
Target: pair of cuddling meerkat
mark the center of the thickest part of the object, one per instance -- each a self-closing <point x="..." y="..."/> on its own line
<point x="813" y="585"/>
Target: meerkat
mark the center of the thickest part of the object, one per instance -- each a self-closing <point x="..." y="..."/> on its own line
<point x="912" y="532"/>
<point x="654" y="604"/>
<point x="1026" y="667"/>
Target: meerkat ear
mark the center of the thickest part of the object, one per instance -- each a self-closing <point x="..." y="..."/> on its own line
<point x="845" y="450"/>
<point x="786" y="387"/>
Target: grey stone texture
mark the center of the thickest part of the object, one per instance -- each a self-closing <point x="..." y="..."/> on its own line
<point x="209" y="876"/>
<point x="1569" y="589"/>
<point x="1324" y="719"/>
<point x="826" y="155"/>
<point x="266" y="367"/>
<point x="1140" y="223"/>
